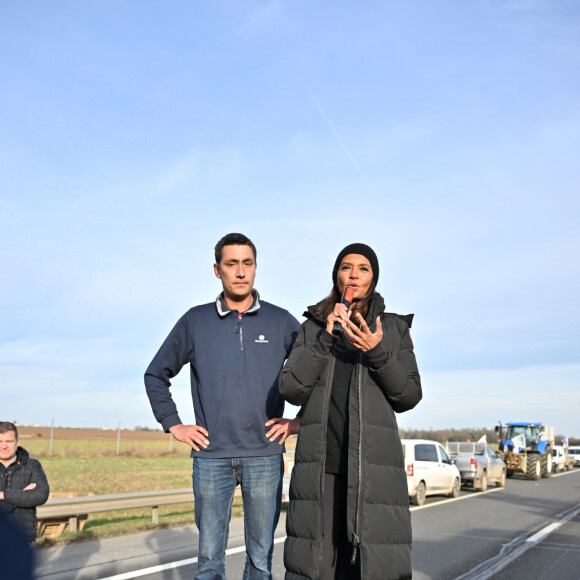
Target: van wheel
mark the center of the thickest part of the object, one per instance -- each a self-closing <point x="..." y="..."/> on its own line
<point x="455" y="489"/>
<point x="419" y="497"/>
<point x="547" y="463"/>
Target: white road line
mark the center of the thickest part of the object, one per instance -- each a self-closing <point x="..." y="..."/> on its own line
<point x="516" y="548"/>
<point x="539" y="536"/>
<point x="173" y="565"/>
<point x="451" y="499"/>
<point x="471" y="495"/>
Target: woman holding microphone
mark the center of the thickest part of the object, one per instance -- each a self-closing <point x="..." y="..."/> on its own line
<point x="351" y="369"/>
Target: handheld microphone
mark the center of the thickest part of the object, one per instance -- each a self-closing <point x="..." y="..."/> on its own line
<point x="346" y="299"/>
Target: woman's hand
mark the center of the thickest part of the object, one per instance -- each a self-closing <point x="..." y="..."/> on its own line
<point x="362" y="337"/>
<point x="282" y="428"/>
<point x="339" y="314"/>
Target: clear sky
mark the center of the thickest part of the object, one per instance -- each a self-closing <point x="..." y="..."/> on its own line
<point x="446" y="135"/>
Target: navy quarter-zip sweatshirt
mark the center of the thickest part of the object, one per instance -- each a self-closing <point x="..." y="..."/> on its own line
<point x="235" y="360"/>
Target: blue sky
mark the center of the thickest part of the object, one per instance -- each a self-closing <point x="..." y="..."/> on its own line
<point x="134" y="135"/>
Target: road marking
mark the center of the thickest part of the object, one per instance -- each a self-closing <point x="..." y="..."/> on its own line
<point x="543" y="533"/>
<point x="514" y="549"/>
<point x="472" y="495"/>
<point x="173" y="565"/>
<point x="451" y="499"/>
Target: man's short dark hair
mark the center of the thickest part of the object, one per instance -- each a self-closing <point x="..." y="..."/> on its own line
<point x="5" y="426"/>
<point x="233" y="240"/>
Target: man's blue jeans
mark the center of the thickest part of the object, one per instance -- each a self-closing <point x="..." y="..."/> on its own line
<point x="214" y="483"/>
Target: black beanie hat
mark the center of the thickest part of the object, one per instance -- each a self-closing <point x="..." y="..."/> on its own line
<point x="363" y="250"/>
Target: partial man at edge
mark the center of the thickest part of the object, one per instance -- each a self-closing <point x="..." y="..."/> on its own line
<point x="236" y="347"/>
<point x="23" y="484"/>
<point x="16" y="555"/>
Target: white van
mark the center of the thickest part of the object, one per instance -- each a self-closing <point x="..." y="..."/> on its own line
<point x="430" y="471"/>
<point x="574" y="452"/>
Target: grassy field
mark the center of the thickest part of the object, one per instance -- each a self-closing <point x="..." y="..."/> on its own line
<point x="85" y="462"/>
<point x="75" y="476"/>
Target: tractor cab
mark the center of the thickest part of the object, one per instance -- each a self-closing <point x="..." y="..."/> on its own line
<point x="520" y="436"/>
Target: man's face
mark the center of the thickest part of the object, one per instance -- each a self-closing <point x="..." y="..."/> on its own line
<point x="237" y="271"/>
<point x="8" y="445"/>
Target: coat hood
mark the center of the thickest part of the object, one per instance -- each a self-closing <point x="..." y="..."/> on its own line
<point x="22" y="456"/>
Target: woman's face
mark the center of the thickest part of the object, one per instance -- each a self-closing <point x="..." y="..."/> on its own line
<point x="355" y="270"/>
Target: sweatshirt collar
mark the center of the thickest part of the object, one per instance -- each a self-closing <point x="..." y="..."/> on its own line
<point x="223" y="310"/>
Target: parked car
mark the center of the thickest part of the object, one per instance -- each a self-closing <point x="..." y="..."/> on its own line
<point x="562" y="461"/>
<point x="430" y="470"/>
<point x="574" y="451"/>
<point x="478" y="464"/>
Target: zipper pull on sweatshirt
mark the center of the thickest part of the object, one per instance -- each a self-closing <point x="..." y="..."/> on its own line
<point x="240" y="331"/>
<point x="354" y="549"/>
<point x="238" y="323"/>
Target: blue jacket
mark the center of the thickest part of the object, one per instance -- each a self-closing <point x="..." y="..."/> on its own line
<point x="235" y="361"/>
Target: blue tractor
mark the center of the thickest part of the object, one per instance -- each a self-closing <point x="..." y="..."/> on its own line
<point x="526" y="448"/>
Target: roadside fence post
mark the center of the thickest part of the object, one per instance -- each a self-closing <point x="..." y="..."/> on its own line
<point x="51" y="436"/>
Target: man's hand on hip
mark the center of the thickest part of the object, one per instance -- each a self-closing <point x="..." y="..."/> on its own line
<point x="194" y="435"/>
<point x="282" y="428"/>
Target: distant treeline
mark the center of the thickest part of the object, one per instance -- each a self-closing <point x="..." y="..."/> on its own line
<point x="464" y="434"/>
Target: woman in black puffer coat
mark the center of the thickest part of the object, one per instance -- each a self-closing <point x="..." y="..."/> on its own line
<point x="349" y="504"/>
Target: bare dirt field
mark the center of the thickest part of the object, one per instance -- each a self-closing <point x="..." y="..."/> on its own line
<point x="89" y="434"/>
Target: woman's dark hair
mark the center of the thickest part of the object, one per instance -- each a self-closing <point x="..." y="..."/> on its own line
<point x="361" y="307"/>
<point x="325" y="307"/>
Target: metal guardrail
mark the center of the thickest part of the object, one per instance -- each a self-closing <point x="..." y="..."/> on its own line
<point x="58" y="514"/>
<point x="72" y="509"/>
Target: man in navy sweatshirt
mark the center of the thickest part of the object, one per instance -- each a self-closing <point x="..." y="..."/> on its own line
<point x="236" y="347"/>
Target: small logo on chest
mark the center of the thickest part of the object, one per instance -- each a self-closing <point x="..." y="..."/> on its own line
<point x="261" y="338"/>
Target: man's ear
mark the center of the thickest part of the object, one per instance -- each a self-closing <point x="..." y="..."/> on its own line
<point x="216" y="271"/>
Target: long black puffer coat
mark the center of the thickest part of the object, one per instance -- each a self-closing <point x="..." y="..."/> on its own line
<point x="378" y="516"/>
<point x="20" y="504"/>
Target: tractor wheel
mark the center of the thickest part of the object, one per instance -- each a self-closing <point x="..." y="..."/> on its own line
<point x="509" y="472"/>
<point x="547" y="463"/>
<point x="534" y="466"/>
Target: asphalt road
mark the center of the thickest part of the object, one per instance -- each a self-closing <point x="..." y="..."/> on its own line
<point x="529" y="529"/>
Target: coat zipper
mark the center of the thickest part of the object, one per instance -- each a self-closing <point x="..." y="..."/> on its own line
<point x="355" y="534"/>
<point x="325" y="423"/>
